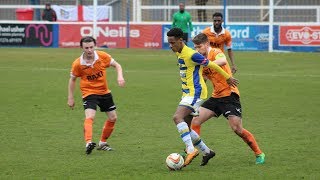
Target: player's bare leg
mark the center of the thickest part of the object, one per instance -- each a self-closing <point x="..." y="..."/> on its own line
<point x="235" y="123"/>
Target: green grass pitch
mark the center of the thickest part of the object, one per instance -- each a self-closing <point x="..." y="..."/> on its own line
<point x="41" y="138"/>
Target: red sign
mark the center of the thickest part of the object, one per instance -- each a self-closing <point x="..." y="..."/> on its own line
<point x="112" y="36"/>
<point x="299" y="35"/>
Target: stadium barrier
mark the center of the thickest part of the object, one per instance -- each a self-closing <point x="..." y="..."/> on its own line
<point x="149" y="35"/>
<point x="254" y="25"/>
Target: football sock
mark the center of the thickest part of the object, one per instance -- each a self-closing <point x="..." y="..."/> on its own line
<point x="107" y="130"/>
<point x="183" y="129"/>
<point x="88" y="129"/>
<point x="196" y="128"/>
<point x="250" y="140"/>
<point x="197" y="142"/>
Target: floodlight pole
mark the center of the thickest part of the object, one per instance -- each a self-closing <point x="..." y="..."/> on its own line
<point x="128" y="24"/>
<point x="271" y="13"/>
<point x="225" y="13"/>
<point x="95" y="4"/>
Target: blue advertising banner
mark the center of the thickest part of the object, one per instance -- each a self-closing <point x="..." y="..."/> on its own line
<point x="244" y="38"/>
<point x="249" y="38"/>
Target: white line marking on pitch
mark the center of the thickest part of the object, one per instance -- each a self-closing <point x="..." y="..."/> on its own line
<point x="158" y="72"/>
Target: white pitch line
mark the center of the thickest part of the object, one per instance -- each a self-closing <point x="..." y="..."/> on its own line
<point x="160" y="72"/>
<point x="279" y="75"/>
<point x="238" y="74"/>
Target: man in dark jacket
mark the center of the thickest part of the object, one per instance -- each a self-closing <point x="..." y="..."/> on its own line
<point x="202" y="14"/>
<point x="49" y="14"/>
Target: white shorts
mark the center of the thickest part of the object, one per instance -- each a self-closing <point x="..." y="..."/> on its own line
<point x="192" y="103"/>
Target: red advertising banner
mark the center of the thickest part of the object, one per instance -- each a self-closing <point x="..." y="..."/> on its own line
<point x="112" y="36"/>
<point x="299" y="35"/>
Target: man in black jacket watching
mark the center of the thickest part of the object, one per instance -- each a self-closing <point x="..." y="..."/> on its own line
<point x="49" y="14"/>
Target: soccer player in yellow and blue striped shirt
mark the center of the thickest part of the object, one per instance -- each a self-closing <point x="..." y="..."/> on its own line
<point x="194" y="90"/>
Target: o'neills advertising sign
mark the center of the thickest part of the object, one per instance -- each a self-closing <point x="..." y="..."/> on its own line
<point x="112" y="35"/>
<point x="299" y="35"/>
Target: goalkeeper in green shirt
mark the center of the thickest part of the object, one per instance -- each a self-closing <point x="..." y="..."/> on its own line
<point x="182" y="20"/>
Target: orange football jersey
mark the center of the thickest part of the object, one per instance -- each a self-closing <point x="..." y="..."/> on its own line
<point x="220" y="85"/>
<point x="218" y="40"/>
<point x="93" y="76"/>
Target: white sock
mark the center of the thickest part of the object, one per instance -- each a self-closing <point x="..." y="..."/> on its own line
<point x="100" y="143"/>
<point x="185" y="136"/>
<point x="88" y="144"/>
<point x="197" y="142"/>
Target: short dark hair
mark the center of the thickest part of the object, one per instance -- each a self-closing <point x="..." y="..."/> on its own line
<point x="217" y="14"/>
<point x="200" y="38"/>
<point x="87" y="39"/>
<point x="176" y="32"/>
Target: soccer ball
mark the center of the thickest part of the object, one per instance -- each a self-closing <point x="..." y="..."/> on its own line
<point x="174" y="161"/>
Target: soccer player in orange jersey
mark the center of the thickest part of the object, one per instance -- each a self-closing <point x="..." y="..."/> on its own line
<point x="194" y="90"/>
<point x="90" y="67"/>
<point x="225" y="99"/>
<point x="219" y="37"/>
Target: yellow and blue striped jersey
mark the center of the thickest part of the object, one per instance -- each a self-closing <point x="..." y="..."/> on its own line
<point x="191" y="66"/>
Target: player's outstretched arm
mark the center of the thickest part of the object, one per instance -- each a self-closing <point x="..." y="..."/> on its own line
<point x="117" y="66"/>
<point x="173" y="25"/>
<point x="221" y="62"/>
<point x="198" y="58"/>
<point x="233" y="81"/>
<point x="216" y="67"/>
<point x="71" y="86"/>
<point x="233" y="65"/>
<point x="230" y="80"/>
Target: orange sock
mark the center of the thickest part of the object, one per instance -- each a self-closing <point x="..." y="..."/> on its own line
<point x="88" y="130"/>
<point x="250" y="140"/>
<point x="196" y="128"/>
<point x="107" y="130"/>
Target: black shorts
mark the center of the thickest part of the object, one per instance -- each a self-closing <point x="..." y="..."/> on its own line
<point x="105" y="102"/>
<point x="229" y="105"/>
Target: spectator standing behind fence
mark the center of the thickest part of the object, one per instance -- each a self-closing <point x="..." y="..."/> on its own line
<point x="202" y="14"/>
<point x="49" y="14"/>
<point x="182" y="20"/>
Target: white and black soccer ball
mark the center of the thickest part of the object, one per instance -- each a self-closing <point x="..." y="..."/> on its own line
<point x="174" y="161"/>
